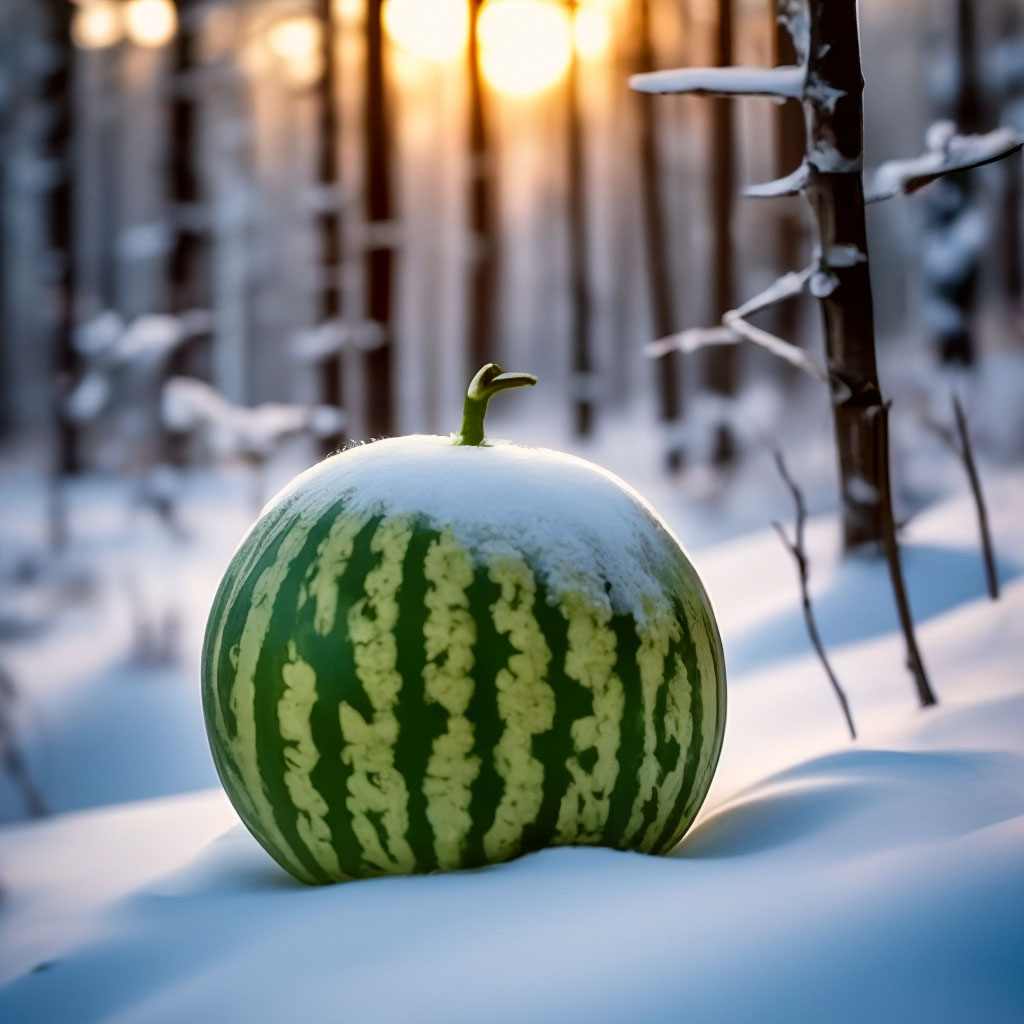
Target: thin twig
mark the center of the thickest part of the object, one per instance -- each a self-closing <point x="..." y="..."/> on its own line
<point x="783" y="349"/>
<point x="890" y="544"/>
<point x="967" y="454"/>
<point x="799" y="552"/>
<point x="786" y="287"/>
<point x="958" y="441"/>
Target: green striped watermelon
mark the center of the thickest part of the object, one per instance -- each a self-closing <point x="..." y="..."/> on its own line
<point x="436" y="653"/>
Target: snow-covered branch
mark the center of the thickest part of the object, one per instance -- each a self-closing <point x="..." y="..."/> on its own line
<point x="790" y="185"/>
<point x="735" y="328"/>
<point x="693" y="339"/>
<point x="733" y="331"/>
<point x="781" y="82"/>
<point x="946" y="153"/>
<point x="190" y="405"/>
<point x="783" y="349"/>
<point x="785" y="287"/>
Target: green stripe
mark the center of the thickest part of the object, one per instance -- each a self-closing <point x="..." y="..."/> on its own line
<point x="491" y="653"/>
<point x="664" y="745"/>
<point x="243" y="779"/>
<point x="631" y="744"/>
<point x="677" y="821"/>
<point x="419" y="722"/>
<point x="713" y="679"/>
<point x="572" y="701"/>
<point x="378" y="796"/>
<point x="231" y="607"/>
<point x="330" y="775"/>
<point x="269" y="682"/>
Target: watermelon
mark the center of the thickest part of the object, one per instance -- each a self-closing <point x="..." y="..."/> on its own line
<point x="434" y="653"/>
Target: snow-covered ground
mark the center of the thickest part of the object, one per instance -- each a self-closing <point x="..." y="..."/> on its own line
<point x="880" y="880"/>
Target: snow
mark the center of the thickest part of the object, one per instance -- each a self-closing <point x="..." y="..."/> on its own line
<point x="191" y="405"/>
<point x="791" y="185"/>
<point x="946" y="152"/>
<point x="498" y="499"/>
<point x="881" y="880"/>
<point x="785" y="82"/>
<point x="735" y="330"/>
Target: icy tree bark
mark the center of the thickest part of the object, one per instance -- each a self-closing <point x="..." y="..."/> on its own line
<point x="483" y="224"/>
<point x="721" y="361"/>
<point x="58" y="143"/>
<point x="579" y="280"/>
<point x="378" y="209"/>
<point x="659" y="277"/>
<point x="329" y="219"/>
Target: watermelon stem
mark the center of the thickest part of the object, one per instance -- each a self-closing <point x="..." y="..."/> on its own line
<point x="489" y="380"/>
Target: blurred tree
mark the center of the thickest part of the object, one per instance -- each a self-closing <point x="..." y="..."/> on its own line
<point x="377" y="187"/>
<point x="188" y="276"/>
<point x="60" y="267"/>
<point x="956" y="231"/>
<point x="483" y="224"/>
<point x="8" y="91"/>
<point x="721" y="362"/>
<point x="789" y="153"/>
<point x="659" y="274"/>
<point x="330" y="210"/>
<point x="579" y="277"/>
<point x="1011" y="94"/>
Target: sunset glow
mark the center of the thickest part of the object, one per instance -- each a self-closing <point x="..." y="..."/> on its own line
<point x="592" y="31"/>
<point x="434" y="31"/>
<point x="294" y="39"/>
<point x="97" y="25"/>
<point x="525" y="45"/>
<point x="151" y="22"/>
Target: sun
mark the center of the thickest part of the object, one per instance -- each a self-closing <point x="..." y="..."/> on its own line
<point x="525" y="45"/>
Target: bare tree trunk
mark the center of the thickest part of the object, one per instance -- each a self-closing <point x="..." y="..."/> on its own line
<point x="483" y="225"/>
<point x="378" y="200"/>
<point x="58" y="93"/>
<point x="7" y="418"/>
<point x="1011" y="28"/>
<point x="329" y="220"/>
<point x="721" y="362"/>
<point x="659" y="274"/>
<point x="1013" y="243"/>
<point x="789" y="153"/>
<point x="579" y="280"/>
<point x="834" y="188"/>
<point x="187" y="277"/>
<point x="835" y="192"/>
<point x="108" y="196"/>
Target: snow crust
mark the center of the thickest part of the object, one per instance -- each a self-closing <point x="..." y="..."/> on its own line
<point x="581" y="523"/>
